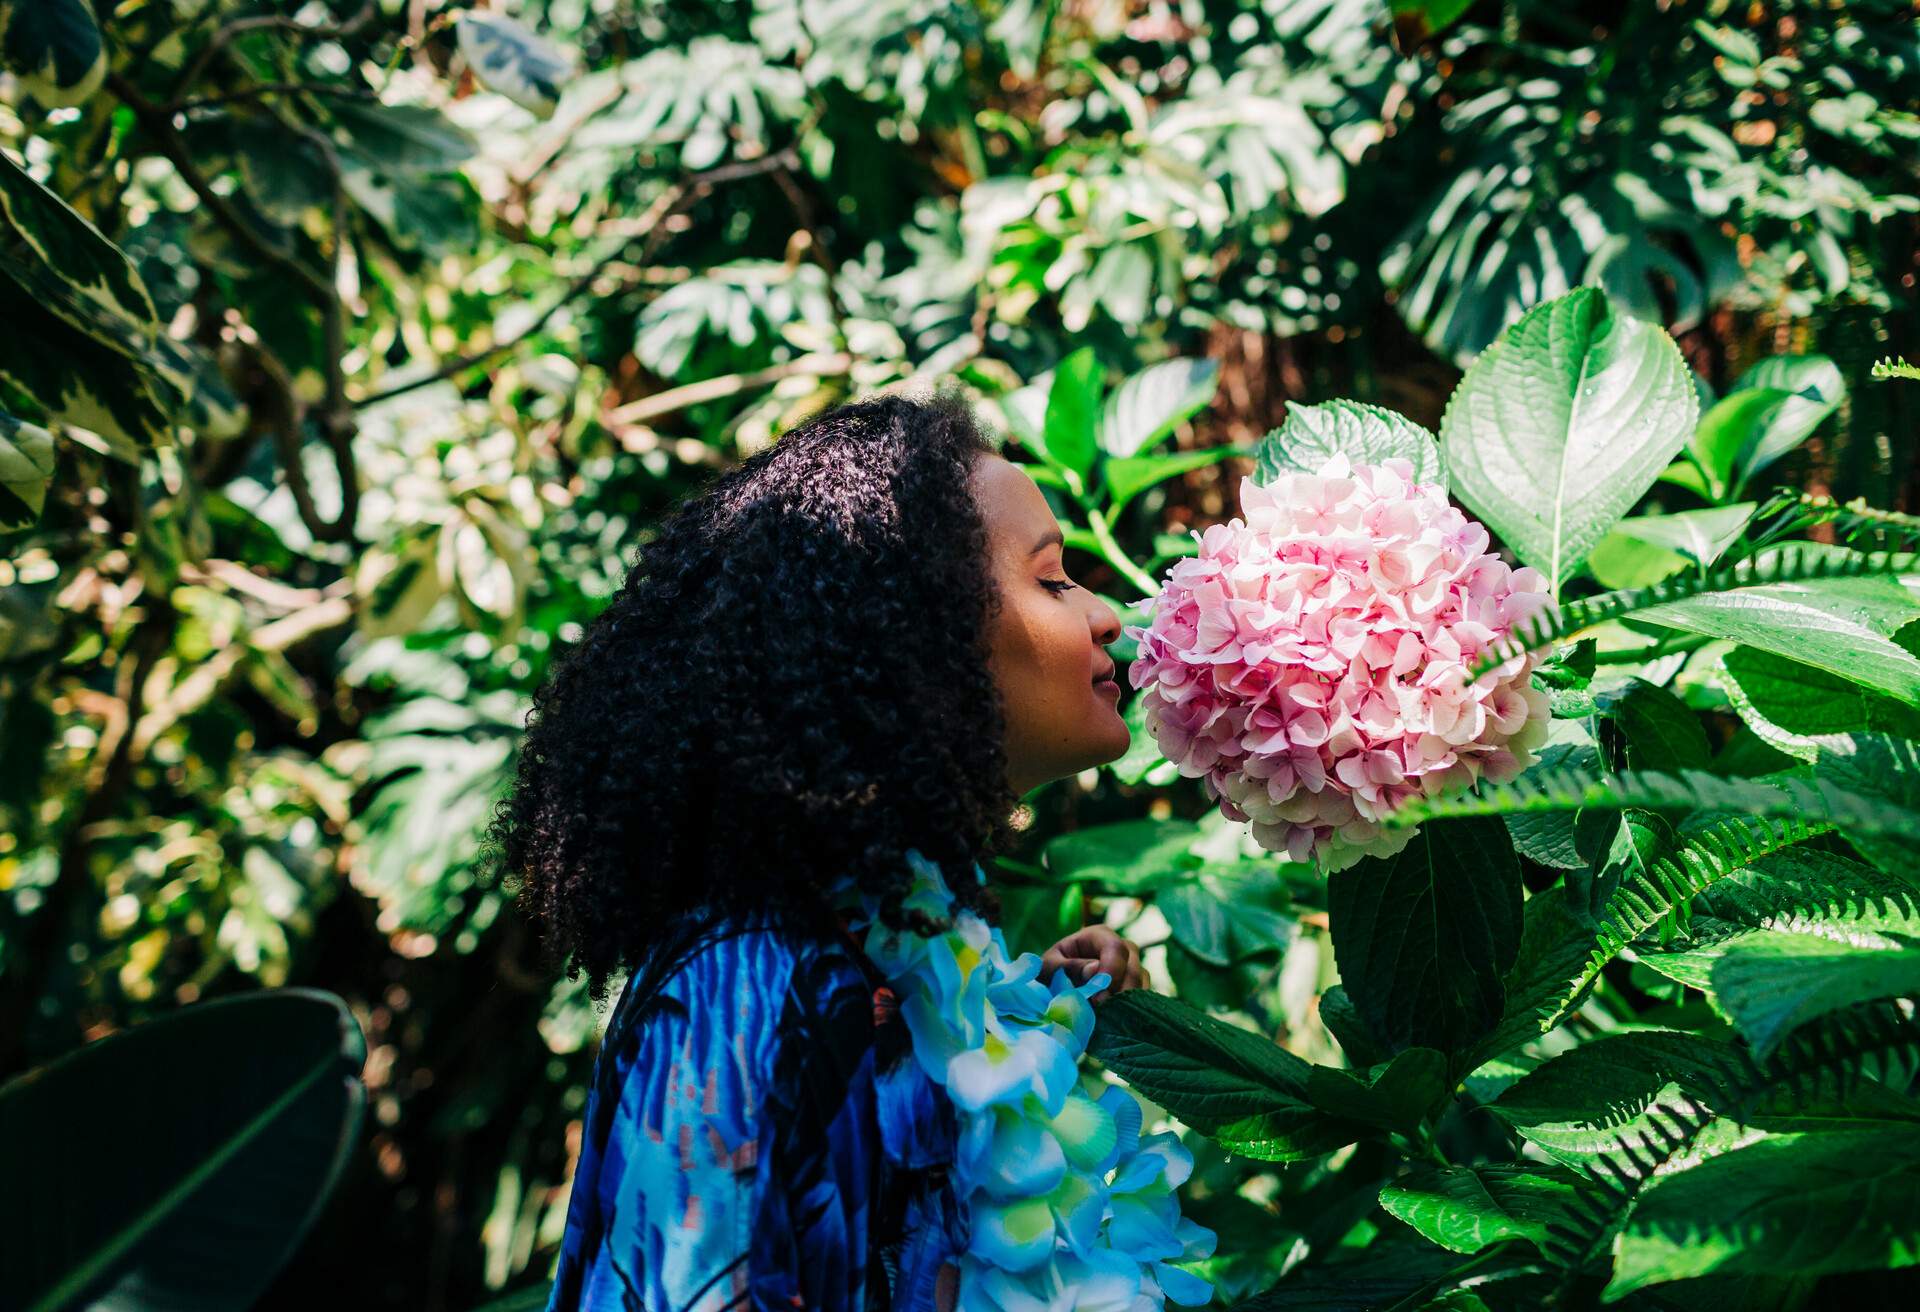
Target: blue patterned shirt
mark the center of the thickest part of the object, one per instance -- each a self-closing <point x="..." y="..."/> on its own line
<point x="758" y="1135"/>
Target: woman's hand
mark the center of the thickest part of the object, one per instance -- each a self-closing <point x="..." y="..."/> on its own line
<point x="1088" y="952"/>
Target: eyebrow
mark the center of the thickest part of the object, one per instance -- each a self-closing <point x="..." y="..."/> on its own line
<point x="1051" y="539"/>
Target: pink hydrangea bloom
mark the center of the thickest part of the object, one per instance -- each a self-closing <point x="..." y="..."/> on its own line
<point x="1310" y="664"/>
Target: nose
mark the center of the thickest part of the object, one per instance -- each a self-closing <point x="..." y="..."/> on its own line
<point x="1106" y="623"/>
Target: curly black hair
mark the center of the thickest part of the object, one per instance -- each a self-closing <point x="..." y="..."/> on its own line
<point x="790" y="685"/>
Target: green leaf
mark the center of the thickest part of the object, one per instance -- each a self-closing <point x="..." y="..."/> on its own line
<point x="1548" y="838"/>
<point x="1574" y="1106"/>
<point x="53" y="47"/>
<point x="248" y="1109"/>
<point x="1809" y="388"/>
<point x="1128" y="476"/>
<point x="511" y="59"/>
<point x="1770" y="982"/>
<point x="401" y="139"/>
<point x="1073" y="412"/>
<point x="1562" y="424"/>
<point x="1553" y="947"/>
<point x="1226" y="1082"/>
<point x="1842" y="625"/>
<point x="1663" y="732"/>
<point x="1149" y="405"/>
<point x="1791" y="706"/>
<point x="1800" y="1204"/>
<point x="1468" y="1208"/>
<point x="1885" y="771"/>
<point x="75" y="274"/>
<point x="1701" y="536"/>
<point x="76" y="380"/>
<point x="1126" y="857"/>
<point x="1424" y="937"/>
<point x="26" y="465"/>
<point x="1364" y="434"/>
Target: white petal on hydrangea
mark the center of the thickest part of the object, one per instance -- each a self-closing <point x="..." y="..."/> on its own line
<point x="1308" y="666"/>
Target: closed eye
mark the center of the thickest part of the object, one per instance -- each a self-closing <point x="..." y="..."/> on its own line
<point x="1058" y="586"/>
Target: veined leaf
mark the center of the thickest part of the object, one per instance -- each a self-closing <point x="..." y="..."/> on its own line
<point x="1886" y="770"/>
<point x="1126" y="857"/>
<point x="78" y="381"/>
<point x="1468" y="1208"/>
<point x="1424" y="937"/>
<point x="1831" y="601"/>
<point x="249" y="1108"/>
<point x="1792" y="705"/>
<point x="1772" y="982"/>
<point x="1147" y="406"/>
<point x="1561" y="425"/>
<point x="1794" y="1204"/>
<point x="1364" y="434"/>
<point x="1222" y="1080"/>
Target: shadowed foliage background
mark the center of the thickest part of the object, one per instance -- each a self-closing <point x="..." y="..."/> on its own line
<point x="427" y="311"/>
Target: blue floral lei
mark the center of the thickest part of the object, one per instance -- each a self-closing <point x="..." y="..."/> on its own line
<point x="1071" y="1209"/>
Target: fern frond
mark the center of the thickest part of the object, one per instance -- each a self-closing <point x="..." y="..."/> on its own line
<point x="1788" y="566"/>
<point x="1778" y="796"/>
<point x="1859" y="525"/>
<point x="1892" y="368"/>
<point x="1660" y="894"/>
<point x="1831" y="1055"/>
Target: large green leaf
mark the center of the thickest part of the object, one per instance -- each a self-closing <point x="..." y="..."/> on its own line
<point x="1070" y="431"/>
<point x="1467" y="1208"/>
<point x="1553" y="947"/>
<point x="76" y="380"/>
<point x="72" y="272"/>
<point x="1791" y="1205"/>
<point x="1842" y="625"/>
<point x="1149" y="405"/>
<point x="1224" y="1081"/>
<point x="53" y="47"/>
<point x="1576" y="1105"/>
<point x="1791" y="705"/>
<point x="1647" y="548"/>
<point x="26" y="463"/>
<point x="1885" y="772"/>
<point x="1424" y="937"/>
<point x="1364" y="434"/>
<point x="1772" y="982"/>
<point x="401" y="139"/>
<point x="1128" y="856"/>
<point x="178" y="1164"/>
<point x="1562" y="424"/>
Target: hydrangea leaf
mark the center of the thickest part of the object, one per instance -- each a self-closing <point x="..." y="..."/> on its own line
<point x="1563" y="423"/>
<point x="1364" y="434"/>
<point x="1423" y="938"/>
<point x="1795" y="1205"/>
<point x="1468" y="1208"/>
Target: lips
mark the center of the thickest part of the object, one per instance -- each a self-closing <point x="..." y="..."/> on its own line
<point x="1106" y="675"/>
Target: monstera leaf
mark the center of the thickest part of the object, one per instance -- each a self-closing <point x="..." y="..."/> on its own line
<point x="178" y="1164"/>
<point x="53" y="47"/>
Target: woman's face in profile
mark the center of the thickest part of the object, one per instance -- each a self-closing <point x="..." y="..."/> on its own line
<point x="1047" y="644"/>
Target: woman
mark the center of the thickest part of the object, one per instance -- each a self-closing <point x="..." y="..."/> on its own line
<point x="842" y="663"/>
